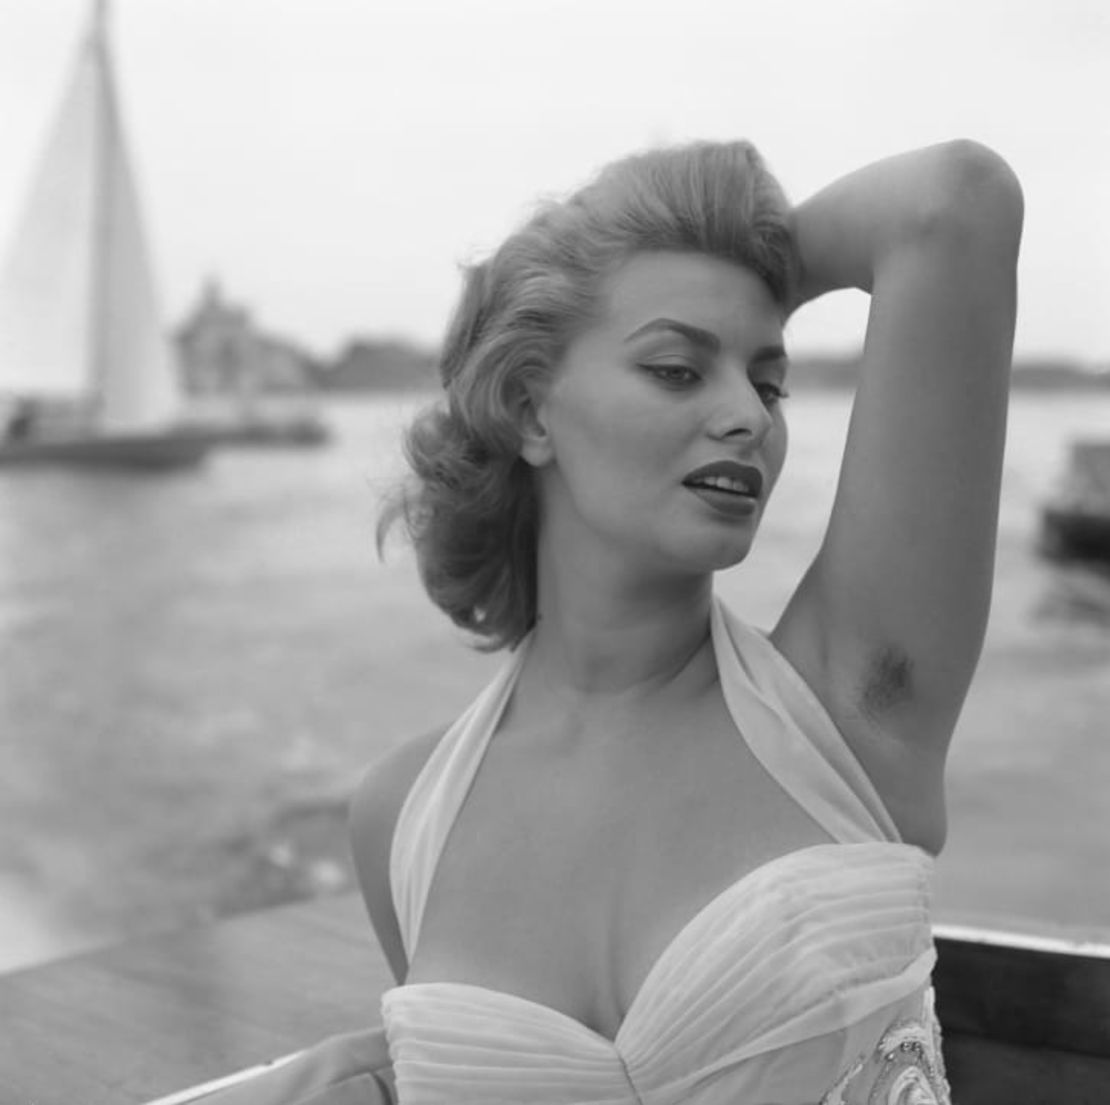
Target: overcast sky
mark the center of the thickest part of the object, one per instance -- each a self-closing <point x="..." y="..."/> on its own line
<point x="332" y="161"/>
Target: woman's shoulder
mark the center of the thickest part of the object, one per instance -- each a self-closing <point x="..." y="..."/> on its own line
<point x="375" y="806"/>
<point x="389" y="777"/>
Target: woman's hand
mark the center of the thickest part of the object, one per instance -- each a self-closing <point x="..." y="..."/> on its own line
<point x="805" y="287"/>
<point x="349" y="1069"/>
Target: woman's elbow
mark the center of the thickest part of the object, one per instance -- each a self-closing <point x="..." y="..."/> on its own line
<point x="975" y="195"/>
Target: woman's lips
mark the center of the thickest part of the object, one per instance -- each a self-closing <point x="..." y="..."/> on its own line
<point x="741" y="479"/>
<point x="729" y="503"/>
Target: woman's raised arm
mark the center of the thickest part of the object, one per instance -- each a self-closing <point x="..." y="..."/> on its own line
<point x="889" y="621"/>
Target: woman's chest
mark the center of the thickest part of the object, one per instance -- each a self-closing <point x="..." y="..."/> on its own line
<point x="564" y="878"/>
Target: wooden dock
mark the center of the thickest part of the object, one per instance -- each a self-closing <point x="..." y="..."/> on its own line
<point x="1026" y="1021"/>
<point x="130" y="1024"/>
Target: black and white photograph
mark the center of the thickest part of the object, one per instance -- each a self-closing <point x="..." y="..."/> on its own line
<point x="554" y="552"/>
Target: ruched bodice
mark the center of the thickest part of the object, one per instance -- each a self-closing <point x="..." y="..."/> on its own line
<point x="805" y="981"/>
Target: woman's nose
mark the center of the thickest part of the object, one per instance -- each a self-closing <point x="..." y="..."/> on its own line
<point x="738" y="409"/>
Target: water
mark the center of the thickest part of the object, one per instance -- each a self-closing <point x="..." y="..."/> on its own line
<point x="195" y="670"/>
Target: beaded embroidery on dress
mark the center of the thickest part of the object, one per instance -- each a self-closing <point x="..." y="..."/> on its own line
<point x="910" y="1066"/>
<point x="805" y="982"/>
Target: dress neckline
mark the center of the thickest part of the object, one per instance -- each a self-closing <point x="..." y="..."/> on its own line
<point x="486" y="714"/>
<point x="700" y="917"/>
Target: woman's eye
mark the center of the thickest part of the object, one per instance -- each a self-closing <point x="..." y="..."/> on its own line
<point x="672" y="373"/>
<point x="772" y="393"/>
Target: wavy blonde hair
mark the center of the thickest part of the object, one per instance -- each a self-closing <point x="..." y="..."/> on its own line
<point x="470" y="507"/>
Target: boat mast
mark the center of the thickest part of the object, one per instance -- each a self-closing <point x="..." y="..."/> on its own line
<point x="103" y="137"/>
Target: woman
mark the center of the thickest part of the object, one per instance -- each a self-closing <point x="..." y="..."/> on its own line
<point x="667" y="857"/>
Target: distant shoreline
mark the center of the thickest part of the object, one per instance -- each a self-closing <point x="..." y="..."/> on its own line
<point x="803" y="376"/>
<point x="394" y="366"/>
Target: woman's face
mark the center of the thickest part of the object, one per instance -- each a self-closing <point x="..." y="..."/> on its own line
<point x="652" y="425"/>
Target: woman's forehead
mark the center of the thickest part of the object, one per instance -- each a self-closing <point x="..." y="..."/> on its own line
<point x="694" y="289"/>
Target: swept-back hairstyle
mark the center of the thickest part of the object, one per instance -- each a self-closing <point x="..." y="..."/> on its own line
<point x="470" y="507"/>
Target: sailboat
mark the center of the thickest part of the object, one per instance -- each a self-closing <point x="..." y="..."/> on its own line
<point x="87" y="371"/>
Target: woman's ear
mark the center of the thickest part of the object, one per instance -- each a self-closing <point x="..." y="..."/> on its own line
<point x="536" y="446"/>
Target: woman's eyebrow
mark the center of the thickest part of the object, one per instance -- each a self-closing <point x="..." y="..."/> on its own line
<point x="704" y="339"/>
<point x="694" y="334"/>
<point x="769" y="354"/>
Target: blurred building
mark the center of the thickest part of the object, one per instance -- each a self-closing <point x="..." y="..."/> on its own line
<point x="369" y="364"/>
<point x="227" y="361"/>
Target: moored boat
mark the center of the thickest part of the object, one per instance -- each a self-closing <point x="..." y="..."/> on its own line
<point x="1075" y="532"/>
<point x="151" y="452"/>
<point x="1076" y="525"/>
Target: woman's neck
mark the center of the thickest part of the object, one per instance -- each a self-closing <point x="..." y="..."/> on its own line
<point x="605" y="637"/>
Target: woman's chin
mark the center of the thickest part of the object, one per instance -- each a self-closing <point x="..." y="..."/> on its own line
<point x="717" y="555"/>
<point x="724" y="562"/>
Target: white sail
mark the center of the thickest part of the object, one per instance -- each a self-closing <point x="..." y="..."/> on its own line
<point x="45" y="283"/>
<point x="134" y="371"/>
<point x="79" y="311"/>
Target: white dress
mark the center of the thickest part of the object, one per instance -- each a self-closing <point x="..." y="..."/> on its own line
<point x="807" y="981"/>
